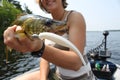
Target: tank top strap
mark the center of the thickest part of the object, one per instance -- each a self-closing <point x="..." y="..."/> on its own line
<point x="64" y="29"/>
<point x="67" y="15"/>
<point x="66" y="19"/>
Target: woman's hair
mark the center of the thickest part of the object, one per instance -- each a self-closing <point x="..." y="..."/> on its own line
<point x="64" y="3"/>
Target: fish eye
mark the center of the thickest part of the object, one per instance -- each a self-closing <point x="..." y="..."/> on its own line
<point x="48" y="22"/>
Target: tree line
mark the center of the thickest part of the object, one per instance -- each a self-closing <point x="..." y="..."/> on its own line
<point x="9" y="10"/>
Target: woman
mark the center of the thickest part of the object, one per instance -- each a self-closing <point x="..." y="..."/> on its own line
<point x="68" y="62"/>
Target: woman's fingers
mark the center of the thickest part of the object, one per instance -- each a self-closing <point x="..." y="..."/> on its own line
<point x="9" y="38"/>
<point x="9" y="32"/>
<point x="19" y="41"/>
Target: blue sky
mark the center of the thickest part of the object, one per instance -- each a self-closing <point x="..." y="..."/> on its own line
<point x="99" y="14"/>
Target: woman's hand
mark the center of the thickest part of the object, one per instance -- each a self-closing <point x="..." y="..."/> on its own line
<point x="22" y="44"/>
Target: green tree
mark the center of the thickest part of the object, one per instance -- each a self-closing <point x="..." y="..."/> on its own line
<point x="9" y="9"/>
<point x="18" y="6"/>
<point x="8" y="12"/>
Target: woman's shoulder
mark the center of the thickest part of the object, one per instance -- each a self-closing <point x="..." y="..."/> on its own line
<point x="76" y="14"/>
<point x="77" y="20"/>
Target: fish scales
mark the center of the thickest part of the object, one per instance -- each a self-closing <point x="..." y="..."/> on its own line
<point x="35" y="24"/>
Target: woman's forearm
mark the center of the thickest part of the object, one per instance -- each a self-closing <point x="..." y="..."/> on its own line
<point x="62" y="58"/>
<point x="44" y="69"/>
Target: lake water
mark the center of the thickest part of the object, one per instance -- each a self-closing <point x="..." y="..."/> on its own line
<point x="19" y="63"/>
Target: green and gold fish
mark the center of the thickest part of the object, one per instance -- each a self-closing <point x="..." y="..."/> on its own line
<point x="35" y="24"/>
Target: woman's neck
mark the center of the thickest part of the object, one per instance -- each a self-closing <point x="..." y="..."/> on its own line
<point x="59" y="14"/>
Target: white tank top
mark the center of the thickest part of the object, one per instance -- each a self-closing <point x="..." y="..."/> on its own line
<point x="71" y="73"/>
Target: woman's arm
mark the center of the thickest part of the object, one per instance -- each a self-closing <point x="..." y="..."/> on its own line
<point x="77" y="35"/>
<point x="44" y="69"/>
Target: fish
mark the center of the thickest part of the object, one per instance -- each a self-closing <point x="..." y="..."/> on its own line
<point x="35" y="24"/>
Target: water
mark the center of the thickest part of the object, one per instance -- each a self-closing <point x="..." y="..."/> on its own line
<point x="19" y="63"/>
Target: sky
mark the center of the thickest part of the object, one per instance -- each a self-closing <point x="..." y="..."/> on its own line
<point x="99" y="15"/>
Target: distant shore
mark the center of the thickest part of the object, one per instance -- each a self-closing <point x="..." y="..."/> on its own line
<point x="113" y="30"/>
<point x="106" y="30"/>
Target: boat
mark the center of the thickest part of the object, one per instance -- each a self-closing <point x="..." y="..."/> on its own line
<point x="100" y="66"/>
